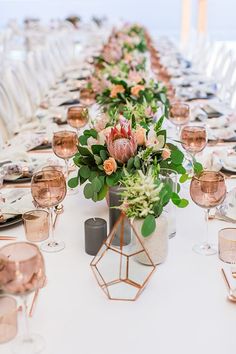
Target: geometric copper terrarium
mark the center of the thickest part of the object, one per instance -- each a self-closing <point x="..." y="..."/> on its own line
<point x="116" y="267"/>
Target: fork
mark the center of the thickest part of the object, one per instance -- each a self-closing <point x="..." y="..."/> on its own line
<point x="231" y="295"/>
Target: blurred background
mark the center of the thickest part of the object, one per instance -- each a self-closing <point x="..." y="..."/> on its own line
<point x="163" y="16"/>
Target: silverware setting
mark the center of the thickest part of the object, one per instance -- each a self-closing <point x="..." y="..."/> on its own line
<point x="218" y="216"/>
<point x="7" y="238"/>
<point x="231" y="293"/>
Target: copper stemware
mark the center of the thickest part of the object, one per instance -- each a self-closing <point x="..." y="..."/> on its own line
<point x="8" y="318"/>
<point x="207" y="190"/>
<point x="77" y="117"/>
<point x="179" y="114"/>
<point x="22" y="271"/>
<point x="48" y="188"/>
<point x="193" y="138"/>
<point x="64" y="146"/>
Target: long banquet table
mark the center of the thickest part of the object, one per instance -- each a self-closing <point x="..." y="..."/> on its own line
<point x="182" y="310"/>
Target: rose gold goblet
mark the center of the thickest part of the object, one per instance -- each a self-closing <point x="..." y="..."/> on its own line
<point x="48" y="188"/>
<point x="207" y="190"/>
<point x="22" y="272"/>
<point x="193" y="138"/>
<point x="77" y="117"/>
<point x="179" y="114"/>
<point x="64" y="145"/>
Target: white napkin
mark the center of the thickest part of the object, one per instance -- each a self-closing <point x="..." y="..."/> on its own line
<point x="17" y="203"/>
<point x="198" y="113"/>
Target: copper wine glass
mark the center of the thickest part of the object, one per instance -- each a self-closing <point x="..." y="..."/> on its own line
<point x="64" y="145"/>
<point x="193" y="138"/>
<point x="77" y="117"/>
<point x="207" y="190"/>
<point x="22" y="271"/>
<point x="179" y="114"/>
<point x="48" y="188"/>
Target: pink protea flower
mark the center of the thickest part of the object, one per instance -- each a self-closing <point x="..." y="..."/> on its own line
<point x="121" y="143"/>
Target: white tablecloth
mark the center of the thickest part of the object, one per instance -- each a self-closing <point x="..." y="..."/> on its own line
<point x="182" y="310"/>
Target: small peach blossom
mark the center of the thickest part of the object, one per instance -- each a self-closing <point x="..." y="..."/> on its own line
<point x="128" y="57"/>
<point x="140" y="135"/>
<point x="166" y="153"/>
<point x="116" y="89"/>
<point x="136" y="89"/>
<point x="110" y="166"/>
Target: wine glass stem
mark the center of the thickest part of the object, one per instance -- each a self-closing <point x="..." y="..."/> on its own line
<point x="26" y="318"/>
<point x="207" y="211"/>
<point x="67" y="169"/>
<point x="51" y="238"/>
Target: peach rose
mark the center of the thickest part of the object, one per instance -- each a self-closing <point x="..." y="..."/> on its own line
<point x="136" y="89"/>
<point x="110" y="166"/>
<point x="116" y="89"/>
<point x="166" y="153"/>
<point x="128" y="57"/>
<point x="140" y="135"/>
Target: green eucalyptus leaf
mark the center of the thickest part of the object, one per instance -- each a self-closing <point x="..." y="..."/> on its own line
<point x="97" y="148"/>
<point x="148" y="226"/>
<point x="84" y="151"/>
<point x="183" y="203"/>
<point x="103" y="154"/>
<point x="198" y="168"/>
<point x="184" y="178"/>
<point x="84" y="172"/>
<point x="175" y="198"/>
<point x="88" y="191"/>
<point x="179" y="169"/>
<point x="96" y="184"/>
<point x="77" y="159"/>
<point x="177" y="157"/>
<point x="103" y="192"/>
<point x="91" y="132"/>
<point x="92" y="175"/>
<point x="73" y="182"/>
<point x="82" y="180"/>
<point x="95" y="197"/>
<point x="83" y="140"/>
<point x="98" y="159"/>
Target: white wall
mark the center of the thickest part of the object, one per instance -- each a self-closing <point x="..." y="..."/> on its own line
<point x="163" y="15"/>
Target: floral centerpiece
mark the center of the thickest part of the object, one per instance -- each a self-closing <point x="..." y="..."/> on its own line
<point x="104" y="157"/>
<point x="128" y="136"/>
